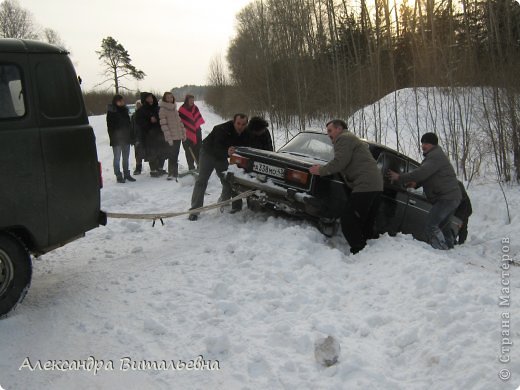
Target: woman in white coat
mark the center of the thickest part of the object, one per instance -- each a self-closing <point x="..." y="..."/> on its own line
<point x="174" y="132"/>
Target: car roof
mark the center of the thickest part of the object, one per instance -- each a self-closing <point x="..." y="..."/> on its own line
<point x="371" y="143"/>
<point x="11" y="45"/>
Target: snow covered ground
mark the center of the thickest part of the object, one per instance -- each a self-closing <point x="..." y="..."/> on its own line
<point x="254" y="291"/>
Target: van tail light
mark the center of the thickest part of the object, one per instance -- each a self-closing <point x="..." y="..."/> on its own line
<point x="240" y="161"/>
<point x="297" y="176"/>
<point x="100" y="175"/>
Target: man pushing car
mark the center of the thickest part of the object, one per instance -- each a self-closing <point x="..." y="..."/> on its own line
<point x="353" y="160"/>
<point x="437" y="176"/>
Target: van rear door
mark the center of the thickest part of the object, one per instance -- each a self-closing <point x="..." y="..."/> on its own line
<point x="23" y="201"/>
<point x="68" y="148"/>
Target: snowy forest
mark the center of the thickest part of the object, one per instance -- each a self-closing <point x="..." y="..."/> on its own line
<point x="298" y="61"/>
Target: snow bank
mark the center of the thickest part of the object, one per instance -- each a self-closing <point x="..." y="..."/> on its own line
<point x="400" y="118"/>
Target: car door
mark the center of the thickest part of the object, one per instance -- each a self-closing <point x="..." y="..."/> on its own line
<point x="417" y="210"/>
<point x="394" y="198"/>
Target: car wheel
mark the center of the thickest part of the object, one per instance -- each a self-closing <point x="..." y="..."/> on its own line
<point x="254" y="204"/>
<point x="15" y="273"/>
<point x="328" y="228"/>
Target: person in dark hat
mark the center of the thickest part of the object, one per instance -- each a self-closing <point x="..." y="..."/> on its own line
<point x="139" y="150"/>
<point x="258" y="134"/>
<point x="118" y="126"/>
<point x="439" y="181"/>
<point x="147" y="118"/>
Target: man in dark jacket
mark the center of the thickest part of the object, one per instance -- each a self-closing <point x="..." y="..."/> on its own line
<point x="463" y="212"/>
<point x="216" y="148"/>
<point x="118" y="125"/>
<point x="353" y="160"/>
<point x="258" y="134"/>
<point x="147" y="118"/>
<point x="439" y="181"/>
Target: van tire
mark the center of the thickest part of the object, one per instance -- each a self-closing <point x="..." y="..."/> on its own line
<point x="15" y="273"/>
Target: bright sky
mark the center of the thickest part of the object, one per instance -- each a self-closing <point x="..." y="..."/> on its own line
<point x="172" y="41"/>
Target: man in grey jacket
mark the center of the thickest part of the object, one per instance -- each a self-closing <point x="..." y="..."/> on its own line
<point x="353" y="160"/>
<point x="439" y="181"/>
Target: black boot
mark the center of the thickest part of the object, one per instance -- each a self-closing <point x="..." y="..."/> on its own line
<point x="138" y="169"/>
<point x="120" y="178"/>
<point x="128" y="177"/>
<point x="173" y="170"/>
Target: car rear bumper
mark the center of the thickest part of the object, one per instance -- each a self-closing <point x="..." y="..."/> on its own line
<point x="288" y="200"/>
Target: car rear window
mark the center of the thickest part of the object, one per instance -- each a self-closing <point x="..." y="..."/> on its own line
<point x="310" y="144"/>
<point x="12" y="103"/>
<point x="58" y="95"/>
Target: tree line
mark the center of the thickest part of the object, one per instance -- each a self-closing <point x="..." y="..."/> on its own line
<point x="17" y="22"/>
<point x="296" y="61"/>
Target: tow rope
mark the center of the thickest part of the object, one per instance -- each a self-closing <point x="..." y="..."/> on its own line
<point x="160" y="216"/>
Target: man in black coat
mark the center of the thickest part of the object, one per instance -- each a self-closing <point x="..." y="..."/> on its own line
<point x="216" y="148"/>
<point x="118" y="125"/>
<point x="258" y="134"/>
<point x="147" y="118"/>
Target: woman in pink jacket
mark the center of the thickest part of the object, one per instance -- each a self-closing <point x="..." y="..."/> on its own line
<point x="174" y="132"/>
<point x="192" y="120"/>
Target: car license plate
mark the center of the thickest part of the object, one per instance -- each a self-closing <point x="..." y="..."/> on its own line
<point x="270" y="170"/>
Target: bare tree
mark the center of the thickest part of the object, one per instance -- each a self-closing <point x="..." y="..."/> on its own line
<point x="16" y="22"/>
<point x="217" y="74"/>
<point x="51" y="36"/>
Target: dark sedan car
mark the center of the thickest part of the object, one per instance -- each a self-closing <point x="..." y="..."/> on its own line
<point x="285" y="184"/>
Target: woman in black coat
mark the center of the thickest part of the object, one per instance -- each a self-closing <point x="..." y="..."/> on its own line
<point x="120" y="133"/>
<point x="139" y="150"/>
<point x="147" y="118"/>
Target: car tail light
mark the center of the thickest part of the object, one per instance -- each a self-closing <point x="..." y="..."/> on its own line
<point x="238" y="160"/>
<point x="100" y="175"/>
<point x="297" y="176"/>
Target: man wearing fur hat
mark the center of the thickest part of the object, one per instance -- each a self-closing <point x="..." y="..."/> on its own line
<point x="437" y="176"/>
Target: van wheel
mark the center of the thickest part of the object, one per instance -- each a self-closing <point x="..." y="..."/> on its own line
<point x="15" y="273"/>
